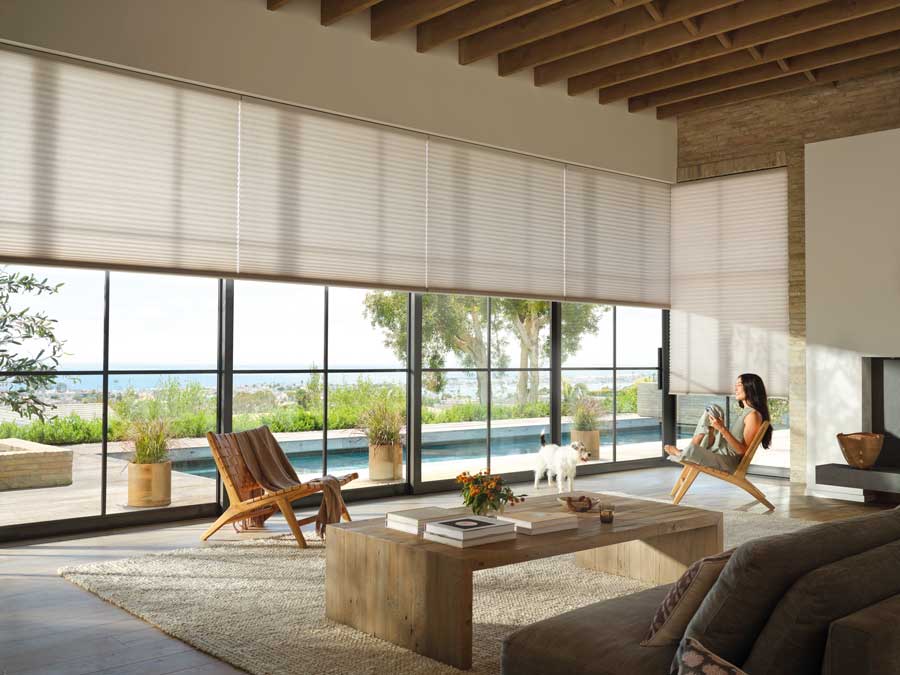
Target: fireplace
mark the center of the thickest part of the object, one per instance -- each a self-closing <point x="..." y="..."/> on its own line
<point x="881" y="483"/>
<point x="886" y="409"/>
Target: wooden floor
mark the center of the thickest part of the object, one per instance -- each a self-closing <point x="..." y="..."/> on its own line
<point x="48" y="626"/>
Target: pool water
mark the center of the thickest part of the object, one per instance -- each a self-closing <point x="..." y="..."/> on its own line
<point x="343" y="461"/>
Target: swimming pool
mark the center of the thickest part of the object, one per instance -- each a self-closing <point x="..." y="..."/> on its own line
<point x="354" y="459"/>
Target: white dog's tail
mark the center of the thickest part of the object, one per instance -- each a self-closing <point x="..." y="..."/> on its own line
<point x="543" y="437"/>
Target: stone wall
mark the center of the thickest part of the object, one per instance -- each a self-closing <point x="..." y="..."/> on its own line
<point x="772" y="132"/>
<point x="24" y="464"/>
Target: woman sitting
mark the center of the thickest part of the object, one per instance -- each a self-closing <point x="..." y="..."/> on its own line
<point x="718" y="447"/>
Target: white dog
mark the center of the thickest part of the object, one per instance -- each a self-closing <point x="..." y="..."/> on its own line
<point x="559" y="461"/>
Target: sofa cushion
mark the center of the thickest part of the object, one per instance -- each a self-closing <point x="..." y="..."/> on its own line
<point x="760" y="572"/>
<point x="867" y="641"/>
<point x="675" y="611"/>
<point x="600" y="639"/>
<point x="695" y="659"/>
<point x="793" y="641"/>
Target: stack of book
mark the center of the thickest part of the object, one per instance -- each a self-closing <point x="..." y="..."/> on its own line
<point x="463" y="532"/>
<point x="413" y="520"/>
<point x="541" y="522"/>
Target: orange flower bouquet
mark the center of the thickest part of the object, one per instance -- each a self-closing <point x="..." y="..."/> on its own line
<point x="484" y="492"/>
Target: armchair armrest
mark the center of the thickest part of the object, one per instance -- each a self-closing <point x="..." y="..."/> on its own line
<point x="866" y="642"/>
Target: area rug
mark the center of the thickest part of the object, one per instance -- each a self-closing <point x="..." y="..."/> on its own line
<point x="260" y="605"/>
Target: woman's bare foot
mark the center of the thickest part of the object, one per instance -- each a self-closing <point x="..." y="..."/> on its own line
<point x="672" y="450"/>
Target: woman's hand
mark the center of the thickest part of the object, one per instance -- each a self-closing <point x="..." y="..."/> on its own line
<point x="716" y="423"/>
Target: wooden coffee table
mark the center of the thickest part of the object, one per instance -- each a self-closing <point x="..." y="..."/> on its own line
<point x="418" y="594"/>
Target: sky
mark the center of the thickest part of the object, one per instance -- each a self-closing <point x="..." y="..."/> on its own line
<point x="165" y="321"/>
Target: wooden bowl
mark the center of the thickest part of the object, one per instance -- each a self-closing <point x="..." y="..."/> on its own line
<point x="581" y="504"/>
<point x="861" y="450"/>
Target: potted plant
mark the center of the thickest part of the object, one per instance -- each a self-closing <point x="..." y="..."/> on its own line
<point x="150" y="471"/>
<point x="485" y="493"/>
<point x="383" y="423"/>
<point x="586" y="425"/>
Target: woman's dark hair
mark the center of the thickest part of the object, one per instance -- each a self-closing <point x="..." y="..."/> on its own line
<point x="755" y="395"/>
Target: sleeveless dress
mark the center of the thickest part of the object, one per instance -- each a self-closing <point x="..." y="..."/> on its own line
<point x="720" y="455"/>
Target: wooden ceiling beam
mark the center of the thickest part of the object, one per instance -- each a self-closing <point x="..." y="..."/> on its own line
<point x="393" y="16"/>
<point x="716" y="24"/>
<point x="654" y="10"/>
<point x="802" y="64"/>
<point x="472" y="18"/>
<point x="832" y="36"/>
<point x="860" y="68"/>
<point x="820" y="16"/>
<point x="567" y="45"/>
<point x="753" y="50"/>
<point x="725" y="40"/>
<point x="272" y="5"/>
<point x="335" y="10"/>
<point x="809" y="75"/>
<point x="554" y="19"/>
<point x="691" y="26"/>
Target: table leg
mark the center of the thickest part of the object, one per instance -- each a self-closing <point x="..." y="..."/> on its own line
<point x="406" y="595"/>
<point x="657" y="560"/>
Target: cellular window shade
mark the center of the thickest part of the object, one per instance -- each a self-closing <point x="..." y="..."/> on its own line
<point x="495" y="222"/>
<point x="617" y="238"/>
<point x="99" y="167"/>
<point x="729" y="283"/>
<point x="329" y="199"/>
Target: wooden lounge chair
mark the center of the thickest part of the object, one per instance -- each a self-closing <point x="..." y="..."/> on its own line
<point x="739" y="477"/>
<point x="248" y="500"/>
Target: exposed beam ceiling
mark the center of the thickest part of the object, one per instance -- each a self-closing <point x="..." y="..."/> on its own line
<point x="832" y="36"/>
<point x="335" y="10"/>
<point x="472" y="18"/>
<point x="624" y="25"/>
<point x="860" y="68"/>
<point x="677" y="56"/>
<point x="556" y="18"/>
<point x="393" y="16"/>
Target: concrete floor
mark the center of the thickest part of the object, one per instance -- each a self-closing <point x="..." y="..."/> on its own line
<point x="48" y="626"/>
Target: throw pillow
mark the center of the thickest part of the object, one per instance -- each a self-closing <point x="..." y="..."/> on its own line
<point x="683" y="599"/>
<point x="695" y="659"/>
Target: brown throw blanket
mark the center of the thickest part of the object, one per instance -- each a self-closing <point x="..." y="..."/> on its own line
<point x="270" y="467"/>
<point x="266" y="460"/>
<point x="332" y="505"/>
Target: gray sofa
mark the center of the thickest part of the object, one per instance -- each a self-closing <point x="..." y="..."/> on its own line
<point x="825" y="599"/>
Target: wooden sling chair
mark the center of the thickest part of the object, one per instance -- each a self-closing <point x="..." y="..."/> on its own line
<point x="248" y="501"/>
<point x="739" y="477"/>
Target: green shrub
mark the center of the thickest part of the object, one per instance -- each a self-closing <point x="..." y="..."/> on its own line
<point x="56" y="430"/>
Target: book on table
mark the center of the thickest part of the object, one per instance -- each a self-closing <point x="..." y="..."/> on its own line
<point x="468" y="543"/>
<point x="540" y="522"/>
<point x="413" y="521"/>
<point x="468" y="528"/>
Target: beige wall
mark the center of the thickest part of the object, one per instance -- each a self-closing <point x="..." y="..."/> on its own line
<point x="853" y="239"/>
<point x="852" y="281"/>
<point x="287" y="55"/>
<point x="772" y="132"/>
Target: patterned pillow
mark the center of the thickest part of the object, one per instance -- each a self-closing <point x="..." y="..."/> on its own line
<point x="693" y="658"/>
<point x="683" y="599"/>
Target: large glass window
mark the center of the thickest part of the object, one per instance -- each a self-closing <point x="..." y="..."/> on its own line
<point x="162" y="383"/>
<point x="611" y="400"/>
<point x="51" y="429"/>
<point x="326" y="369"/>
<point x="367" y="377"/>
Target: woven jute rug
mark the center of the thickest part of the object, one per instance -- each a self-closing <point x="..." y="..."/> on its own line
<point x="260" y="605"/>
